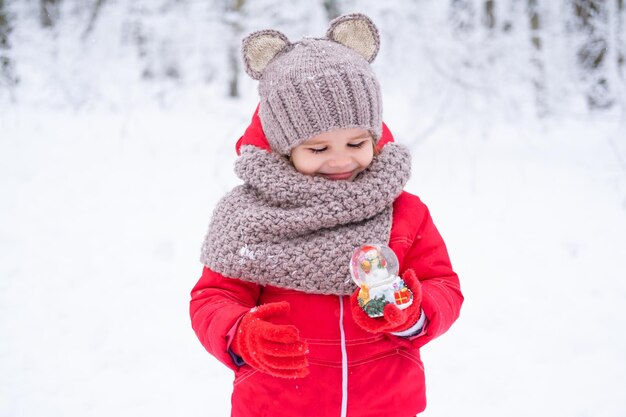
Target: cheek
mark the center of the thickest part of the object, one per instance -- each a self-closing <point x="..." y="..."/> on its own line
<point x="365" y="159"/>
<point x="306" y="164"/>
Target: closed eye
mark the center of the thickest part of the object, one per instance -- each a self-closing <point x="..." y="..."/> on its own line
<point x="357" y="145"/>
<point x="318" y="150"/>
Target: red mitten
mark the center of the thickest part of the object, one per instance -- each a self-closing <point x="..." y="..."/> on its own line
<point x="393" y="319"/>
<point x="275" y="349"/>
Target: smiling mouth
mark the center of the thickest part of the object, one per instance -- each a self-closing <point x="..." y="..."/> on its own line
<point x="339" y="176"/>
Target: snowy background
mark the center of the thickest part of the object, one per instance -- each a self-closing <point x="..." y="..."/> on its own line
<point x="117" y="129"/>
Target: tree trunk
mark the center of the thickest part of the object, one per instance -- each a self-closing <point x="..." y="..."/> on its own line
<point x="233" y="19"/>
<point x="537" y="58"/>
<point x="489" y="17"/>
<point x="332" y="9"/>
<point x="7" y="76"/>
<point x="48" y="12"/>
<point x="592" y="21"/>
<point x="138" y="37"/>
<point x="621" y="38"/>
<point x="93" y="18"/>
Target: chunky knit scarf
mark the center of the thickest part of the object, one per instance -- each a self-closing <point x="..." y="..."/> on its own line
<point x="296" y="231"/>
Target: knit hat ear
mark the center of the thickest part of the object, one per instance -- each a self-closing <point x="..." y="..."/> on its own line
<point x="259" y="48"/>
<point x="357" y="32"/>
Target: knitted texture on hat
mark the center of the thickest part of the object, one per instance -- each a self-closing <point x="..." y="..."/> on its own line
<point x="314" y="86"/>
<point x="295" y="231"/>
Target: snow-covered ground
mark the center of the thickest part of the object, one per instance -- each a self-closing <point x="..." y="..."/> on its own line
<point x="102" y="213"/>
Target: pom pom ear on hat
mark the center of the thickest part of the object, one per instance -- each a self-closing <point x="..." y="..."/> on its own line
<point x="357" y="32"/>
<point x="259" y="48"/>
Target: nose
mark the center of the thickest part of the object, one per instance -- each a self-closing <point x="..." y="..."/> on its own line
<point x="339" y="161"/>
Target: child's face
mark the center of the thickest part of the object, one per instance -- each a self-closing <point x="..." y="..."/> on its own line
<point x="340" y="154"/>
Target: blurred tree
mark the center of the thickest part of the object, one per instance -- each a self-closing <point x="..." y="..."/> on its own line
<point x="138" y="35"/>
<point x="332" y="8"/>
<point x="7" y="72"/>
<point x="614" y="65"/>
<point x="537" y="58"/>
<point x="93" y="17"/>
<point x="621" y="37"/>
<point x="489" y="17"/>
<point x="592" y="22"/>
<point x="462" y="16"/>
<point x="487" y="45"/>
<point x="233" y="18"/>
<point x="48" y="12"/>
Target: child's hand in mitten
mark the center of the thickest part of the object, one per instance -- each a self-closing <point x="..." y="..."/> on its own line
<point x="275" y="349"/>
<point x="393" y="319"/>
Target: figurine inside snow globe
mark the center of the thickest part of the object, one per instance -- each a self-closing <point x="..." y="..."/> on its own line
<point x="374" y="268"/>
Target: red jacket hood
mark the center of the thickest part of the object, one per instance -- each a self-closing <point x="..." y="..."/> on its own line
<point x="254" y="135"/>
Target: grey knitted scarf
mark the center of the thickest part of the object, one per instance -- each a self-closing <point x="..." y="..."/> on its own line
<point x="296" y="231"/>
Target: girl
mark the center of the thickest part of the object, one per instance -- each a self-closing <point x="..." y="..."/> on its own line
<point x="321" y="177"/>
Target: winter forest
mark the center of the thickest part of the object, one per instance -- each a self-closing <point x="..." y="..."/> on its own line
<point x="118" y="121"/>
<point x="525" y="58"/>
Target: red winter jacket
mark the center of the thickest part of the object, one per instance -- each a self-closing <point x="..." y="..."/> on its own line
<point x="385" y="373"/>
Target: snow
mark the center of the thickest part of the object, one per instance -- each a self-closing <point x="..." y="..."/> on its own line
<point x="103" y="214"/>
<point x="247" y="253"/>
<point x="107" y="183"/>
<point x="537" y="231"/>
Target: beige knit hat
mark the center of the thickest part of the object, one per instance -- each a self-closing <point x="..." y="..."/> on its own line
<point x="316" y="84"/>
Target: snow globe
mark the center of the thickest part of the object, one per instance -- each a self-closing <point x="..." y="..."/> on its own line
<point x="374" y="268"/>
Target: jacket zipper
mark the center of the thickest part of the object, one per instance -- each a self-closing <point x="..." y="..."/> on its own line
<point x="344" y="363"/>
